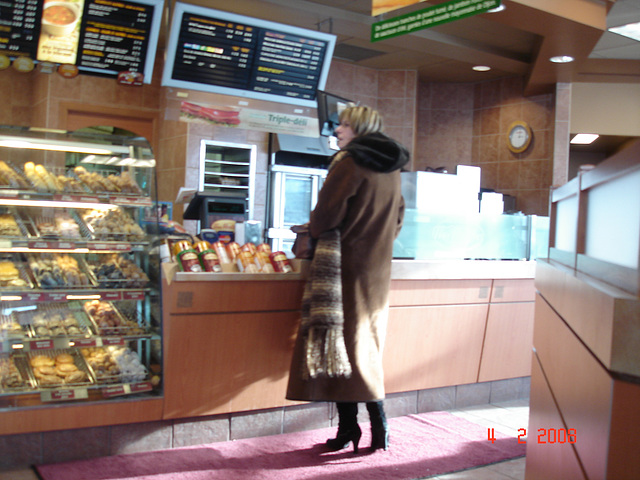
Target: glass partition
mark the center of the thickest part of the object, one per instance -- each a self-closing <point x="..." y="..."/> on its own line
<point x="434" y="236"/>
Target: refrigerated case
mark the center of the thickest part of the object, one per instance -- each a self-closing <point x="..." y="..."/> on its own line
<point x="79" y="286"/>
<point x="294" y="193"/>
<point x="297" y="170"/>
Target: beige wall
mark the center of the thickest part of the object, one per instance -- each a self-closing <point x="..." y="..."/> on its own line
<point x="606" y="109"/>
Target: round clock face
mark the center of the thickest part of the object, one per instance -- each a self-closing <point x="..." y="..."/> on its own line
<point x="519" y="137"/>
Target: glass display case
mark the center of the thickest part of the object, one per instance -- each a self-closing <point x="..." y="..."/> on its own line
<point x="445" y="236"/>
<point x="80" y="316"/>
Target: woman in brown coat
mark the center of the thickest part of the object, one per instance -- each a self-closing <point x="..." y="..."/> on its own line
<point x="361" y="200"/>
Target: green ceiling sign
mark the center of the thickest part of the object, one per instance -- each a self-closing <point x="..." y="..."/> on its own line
<point x="430" y="17"/>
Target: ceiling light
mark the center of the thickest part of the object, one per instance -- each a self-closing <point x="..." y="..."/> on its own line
<point x="481" y="68"/>
<point x="562" y="59"/>
<point x="584" y="138"/>
<point x="631" y="30"/>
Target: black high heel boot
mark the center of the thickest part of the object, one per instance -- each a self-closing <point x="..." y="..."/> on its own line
<point x="348" y="428"/>
<point x="379" y="426"/>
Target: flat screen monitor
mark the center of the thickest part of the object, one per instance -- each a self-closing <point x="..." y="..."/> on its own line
<point x="330" y="107"/>
<point x="220" y="52"/>
<point x="109" y="38"/>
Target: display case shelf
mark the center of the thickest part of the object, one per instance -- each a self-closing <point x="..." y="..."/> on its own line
<point x="106" y="250"/>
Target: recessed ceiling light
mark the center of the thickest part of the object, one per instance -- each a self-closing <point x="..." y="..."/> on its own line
<point x="499" y="8"/>
<point x="584" y="138"/>
<point x="562" y="59"/>
<point x="631" y="30"/>
<point x="481" y="68"/>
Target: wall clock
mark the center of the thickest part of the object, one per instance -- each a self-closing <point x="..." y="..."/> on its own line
<point x="519" y="136"/>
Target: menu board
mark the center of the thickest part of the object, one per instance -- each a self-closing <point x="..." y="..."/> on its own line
<point x="219" y="52"/>
<point x="116" y="35"/>
<point x="19" y="27"/>
<point x="101" y="36"/>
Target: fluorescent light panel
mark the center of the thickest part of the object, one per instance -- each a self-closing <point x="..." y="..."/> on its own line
<point x="630" y="30"/>
<point x="584" y="138"/>
<point x="60" y="146"/>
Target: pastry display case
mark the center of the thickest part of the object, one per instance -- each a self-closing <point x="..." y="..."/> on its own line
<point x="80" y="316"/>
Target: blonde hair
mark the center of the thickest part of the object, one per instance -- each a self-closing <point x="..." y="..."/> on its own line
<point x="363" y="120"/>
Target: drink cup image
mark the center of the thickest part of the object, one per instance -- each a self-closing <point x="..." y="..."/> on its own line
<point x="60" y="19"/>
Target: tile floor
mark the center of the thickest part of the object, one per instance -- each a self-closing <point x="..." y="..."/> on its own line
<point x="505" y="417"/>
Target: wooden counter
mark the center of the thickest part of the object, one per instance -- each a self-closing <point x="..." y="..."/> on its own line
<point x="228" y="338"/>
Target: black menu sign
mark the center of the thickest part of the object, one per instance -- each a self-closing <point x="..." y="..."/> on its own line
<point x="255" y="58"/>
<point x="114" y="36"/>
<point x="101" y="36"/>
<point x="19" y="27"/>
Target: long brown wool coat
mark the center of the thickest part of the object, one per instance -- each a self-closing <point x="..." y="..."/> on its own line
<point x="369" y="208"/>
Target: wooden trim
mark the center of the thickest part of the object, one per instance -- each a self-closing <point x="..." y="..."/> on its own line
<point x="65" y="417"/>
<point x="66" y="110"/>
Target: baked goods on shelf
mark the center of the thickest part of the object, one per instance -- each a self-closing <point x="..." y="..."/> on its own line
<point x="102" y="364"/>
<point x="117" y="271"/>
<point x="8" y="226"/>
<point x="59" y="271"/>
<point x="10" y="178"/>
<point x="95" y="181"/>
<point x="125" y="183"/>
<point x="11" y="276"/>
<point x="10" y="376"/>
<point x="113" y="224"/>
<point x="41" y="178"/>
<point x="58" y="368"/>
<point x="109" y="321"/>
<point x="131" y="368"/>
<point x="54" y="321"/>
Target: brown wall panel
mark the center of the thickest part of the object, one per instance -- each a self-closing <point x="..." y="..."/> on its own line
<point x="548" y="461"/>
<point x="581" y="386"/>
<point x="508" y="341"/>
<point x="435" y="346"/>
<point x="219" y="363"/>
<point x="439" y="292"/>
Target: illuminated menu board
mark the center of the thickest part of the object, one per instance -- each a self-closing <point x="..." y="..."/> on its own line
<point x="99" y="36"/>
<point x="219" y="52"/>
<point x="115" y="36"/>
<point x="19" y="27"/>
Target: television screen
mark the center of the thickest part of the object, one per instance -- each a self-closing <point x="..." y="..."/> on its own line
<point x="220" y="52"/>
<point x="329" y="108"/>
<point x="96" y="36"/>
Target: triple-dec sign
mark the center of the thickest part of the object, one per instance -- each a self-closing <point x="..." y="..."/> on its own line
<point x="430" y="17"/>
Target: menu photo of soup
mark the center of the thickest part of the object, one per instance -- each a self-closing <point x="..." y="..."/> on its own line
<point x="60" y="31"/>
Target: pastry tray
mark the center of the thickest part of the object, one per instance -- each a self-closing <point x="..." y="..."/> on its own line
<point x="16" y="181"/>
<point x="48" y="217"/>
<point x="23" y="278"/>
<point x="50" y="320"/>
<point x="48" y="274"/>
<point x="131" y="368"/>
<point x="49" y="379"/>
<point x="23" y="231"/>
<point x="14" y="374"/>
<point x="102" y="365"/>
<point x="10" y="328"/>
<point x="108" y="320"/>
<point x="108" y="274"/>
<point x="106" y="226"/>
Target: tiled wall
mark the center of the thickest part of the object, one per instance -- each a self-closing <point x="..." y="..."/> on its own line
<point x="441" y="124"/>
<point x="37" y="448"/>
<point x="527" y="175"/>
<point x="467" y="124"/>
